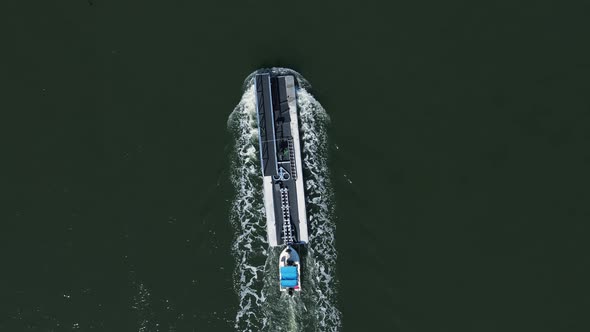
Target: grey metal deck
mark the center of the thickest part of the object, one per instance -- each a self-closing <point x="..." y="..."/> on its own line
<point x="279" y="156"/>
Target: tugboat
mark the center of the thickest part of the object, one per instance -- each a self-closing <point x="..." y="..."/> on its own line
<point x="289" y="271"/>
<point x="280" y="157"/>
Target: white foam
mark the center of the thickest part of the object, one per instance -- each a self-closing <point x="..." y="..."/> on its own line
<point x="142" y="306"/>
<point x="261" y="306"/>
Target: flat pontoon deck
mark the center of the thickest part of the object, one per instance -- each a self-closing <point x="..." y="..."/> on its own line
<point x="280" y="156"/>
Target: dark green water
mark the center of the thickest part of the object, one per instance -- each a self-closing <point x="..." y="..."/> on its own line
<point x="460" y="178"/>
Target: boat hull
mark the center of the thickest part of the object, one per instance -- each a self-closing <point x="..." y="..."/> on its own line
<point x="281" y="161"/>
<point x="289" y="271"/>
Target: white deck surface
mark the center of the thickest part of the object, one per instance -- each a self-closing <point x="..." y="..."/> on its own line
<point x="269" y="207"/>
<point x="303" y="234"/>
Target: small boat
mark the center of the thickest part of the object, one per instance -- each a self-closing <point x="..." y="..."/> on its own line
<point x="289" y="271"/>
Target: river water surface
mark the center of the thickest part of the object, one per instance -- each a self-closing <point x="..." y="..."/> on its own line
<point x="447" y="157"/>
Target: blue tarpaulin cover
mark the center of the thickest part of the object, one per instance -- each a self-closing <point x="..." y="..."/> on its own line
<point x="288" y="283"/>
<point x="289" y="273"/>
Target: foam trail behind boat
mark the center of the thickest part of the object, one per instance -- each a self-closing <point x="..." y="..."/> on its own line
<point x="261" y="306"/>
<point x="247" y="215"/>
<point x="141" y="304"/>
